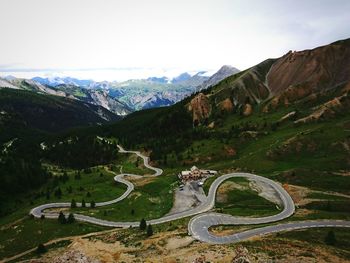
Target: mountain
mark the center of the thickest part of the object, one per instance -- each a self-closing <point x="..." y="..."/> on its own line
<point x="55" y="81"/>
<point x="224" y="72"/>
<point x="6" y="84"/>
<point x="143" y="94"/>
<point x="155" y="92"/>
<point x="297" y="76"/>
<point x="47" y="112"/>
<point x="135" y="94"/>
<point x="96" y="97"/>
<point x="186" y="79"/>
<point x="159" y="80"/>
<point x="299" y="88"/>
<point x="181" y="78"/>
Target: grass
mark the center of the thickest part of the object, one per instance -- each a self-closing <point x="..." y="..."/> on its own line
<point x="317" y="236"/>
<point x="132" y="166"/>
<point x="99" y="183"/>
<point x="133" y="236"/>
<point x="324" y="196"/>
<point x="302" y="243"/>
<point x="330" y="206"/>
<point x="53" y="246"/>
<point x="95" y="184"/>
<point x="19" y="229"/>
<point x="244" y="202"/>
<point x="313" y="169"/>
<point x="207" y="184"/>
<point x="30" y="233"/>
<point x="318" y="180"/>
<point x="149" y="201"/>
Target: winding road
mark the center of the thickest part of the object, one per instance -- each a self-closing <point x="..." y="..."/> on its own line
<point x="199" y="225"/>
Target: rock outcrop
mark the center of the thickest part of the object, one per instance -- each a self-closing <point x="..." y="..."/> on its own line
<point x="328" y="109"/>
<point x="247" y="109"/>
<point x="226" y="105"/>
<point x="200" y="108"/>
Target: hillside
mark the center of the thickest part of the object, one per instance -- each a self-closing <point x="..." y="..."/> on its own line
<point x="36" y="128"/>
<point x="94" y="96"/>
<point x="68" y="90"/>
<point x="248" y="122"/>
<point x="50" y="113"/>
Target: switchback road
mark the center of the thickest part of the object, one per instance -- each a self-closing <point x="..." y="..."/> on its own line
<point x="199" y="225"/>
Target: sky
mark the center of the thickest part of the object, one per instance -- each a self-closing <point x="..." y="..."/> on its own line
<point x="125" y="39"/>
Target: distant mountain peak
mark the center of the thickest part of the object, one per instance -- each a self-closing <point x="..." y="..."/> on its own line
<point x="224" y="72"/>
<point x="182" y="77"/>
<point x="55" y="81"/>
<point x="159" y="79"/>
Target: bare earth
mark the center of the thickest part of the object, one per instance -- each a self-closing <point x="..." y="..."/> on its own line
<point x="265" y="191"/>
<point x="175" y="246"/>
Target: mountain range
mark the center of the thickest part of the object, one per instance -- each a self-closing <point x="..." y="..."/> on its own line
<point x="137" y="94"/>
<point x="92" y="96"/>
<point x="124" y="97"/>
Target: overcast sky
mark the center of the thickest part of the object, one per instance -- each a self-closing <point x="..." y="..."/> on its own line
<point x="120" y="39"/>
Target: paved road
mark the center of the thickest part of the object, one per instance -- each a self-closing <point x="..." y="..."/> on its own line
<point x="199" y="225"/>
<point x="157" y="171"/>
<point x="39" y="210"/>
<point x="206" y="236"/>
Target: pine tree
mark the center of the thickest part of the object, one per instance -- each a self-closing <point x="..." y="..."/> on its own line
<point x="92" y="204"/>
<point x="149" y="230"/>
<point x="42" y="216"/>
<point x="71" y="218"/>
<point x="330" y="238"/>
<point x="62" y="218"/>
<point x="143" y="224"/>
<point x="47" y="195"/>
<point x="41" y="249"/>
<point x="58" y="193"/>
<point x="83" y="203"/>
<point x="73" y="204"/>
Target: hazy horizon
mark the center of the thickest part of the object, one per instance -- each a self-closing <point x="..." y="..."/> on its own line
<point x="120" y="40"/>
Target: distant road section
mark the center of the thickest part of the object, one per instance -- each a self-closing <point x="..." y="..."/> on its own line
<point x="199" y="225"/>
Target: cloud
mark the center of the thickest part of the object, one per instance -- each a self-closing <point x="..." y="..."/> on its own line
<point x="82" y="35"/>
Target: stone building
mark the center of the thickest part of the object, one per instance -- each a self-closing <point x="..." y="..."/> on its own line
<point x="195" y="174"/>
